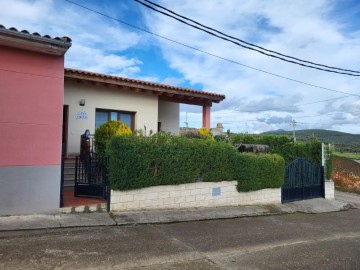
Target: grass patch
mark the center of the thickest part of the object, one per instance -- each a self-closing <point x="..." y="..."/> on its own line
<point x="348" y="155"/>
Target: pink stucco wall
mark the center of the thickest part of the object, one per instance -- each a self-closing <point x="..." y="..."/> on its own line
<point x="31" y="100"/>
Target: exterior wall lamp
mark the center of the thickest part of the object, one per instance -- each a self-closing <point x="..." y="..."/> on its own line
<point x="82" y="102"/>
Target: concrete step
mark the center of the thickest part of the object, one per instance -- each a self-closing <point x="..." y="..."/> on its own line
<point x="99" y="207"/>
<point x="69" y="172"/>
<point x="69" y="183"/>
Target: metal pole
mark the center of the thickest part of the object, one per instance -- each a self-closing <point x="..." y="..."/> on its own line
<point x="294" y="124"/>
<point x="294" y="133"/>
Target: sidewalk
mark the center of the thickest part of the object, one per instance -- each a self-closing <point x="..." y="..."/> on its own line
<point x="30" y="222"/>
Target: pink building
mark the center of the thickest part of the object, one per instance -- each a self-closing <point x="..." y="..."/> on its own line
<point x="31" y="103"/>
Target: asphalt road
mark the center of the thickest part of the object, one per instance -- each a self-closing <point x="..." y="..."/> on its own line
<point x="293" y="241"/>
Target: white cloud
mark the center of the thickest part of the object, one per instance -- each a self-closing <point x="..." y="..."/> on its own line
<point x="98" y="44"/>
<point x="304" y="29"/>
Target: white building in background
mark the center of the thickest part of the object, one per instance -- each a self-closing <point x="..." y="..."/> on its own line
<point x="219" y="130"/>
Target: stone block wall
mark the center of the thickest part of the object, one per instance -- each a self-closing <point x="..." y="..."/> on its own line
<point x="204" y="194"/>
<point x="329" y="189"/>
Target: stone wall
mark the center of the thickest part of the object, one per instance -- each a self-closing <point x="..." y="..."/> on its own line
<point x="204" y="194"/>
<point x="329" y="189"/>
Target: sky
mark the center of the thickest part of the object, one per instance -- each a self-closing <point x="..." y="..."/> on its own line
<point x="321" y="31"/>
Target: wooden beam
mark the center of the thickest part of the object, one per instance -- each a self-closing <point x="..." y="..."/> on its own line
<point x="192" y="98"/>
<point x="194" y="101"/>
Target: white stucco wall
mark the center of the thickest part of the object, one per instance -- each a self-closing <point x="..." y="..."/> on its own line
<point x="98" y="96"/>
<point x="204" y="194"/>
<point x="329" y="189"/>
<point x="169" y="113"/>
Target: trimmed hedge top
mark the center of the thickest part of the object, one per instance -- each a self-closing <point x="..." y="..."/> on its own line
<point x="138" y="162"/>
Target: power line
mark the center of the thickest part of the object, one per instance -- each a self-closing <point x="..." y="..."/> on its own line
<point x="211" y="54"/>
<point x="264" y="119"/>
<point x="283" y="107"/>
<point x="248" y="43"/>
<point x="250" y="48"/>
<point x="315" y="115"/>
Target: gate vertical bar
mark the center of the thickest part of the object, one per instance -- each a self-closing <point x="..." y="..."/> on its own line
<point x="76" y="174"/>
<point x="302" y="172"/>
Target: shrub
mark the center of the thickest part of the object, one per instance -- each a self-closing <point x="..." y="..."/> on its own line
<point x="138" y="162"/>
<point x="284" y="146"/>
<point x="191" y="135"/>
<point x="205" y="132"/>
<point x="329" y="163"/>
<point x="105" y="132"/>
<point x="243" y="138"/>
<point x="255" y="172"/>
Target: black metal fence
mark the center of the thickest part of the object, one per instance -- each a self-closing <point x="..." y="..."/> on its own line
<point x="303" y="180"/>
<point x="91" y="177"/>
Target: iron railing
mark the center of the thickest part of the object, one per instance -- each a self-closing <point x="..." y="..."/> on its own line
<point x="91" y="177"/>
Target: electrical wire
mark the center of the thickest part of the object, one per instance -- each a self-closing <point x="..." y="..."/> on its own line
<point x="211" y="54"/>
<point x="264" y="119"/>
<point x="248" y="43"/>
<point x="250" y="48"/>
<point x="283" y="107"/>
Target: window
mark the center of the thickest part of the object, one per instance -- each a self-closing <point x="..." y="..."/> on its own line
<point x="102" y="116"/>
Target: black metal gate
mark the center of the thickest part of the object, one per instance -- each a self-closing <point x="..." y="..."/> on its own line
<point x="303" y="180"/>
<point x="91" y="178"/>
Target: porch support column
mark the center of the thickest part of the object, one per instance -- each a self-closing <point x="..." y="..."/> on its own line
<point x="206" y="116"/>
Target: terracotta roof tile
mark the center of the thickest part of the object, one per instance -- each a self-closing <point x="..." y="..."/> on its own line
<point x="69" y="71"/>
<point x="13" y="29"/>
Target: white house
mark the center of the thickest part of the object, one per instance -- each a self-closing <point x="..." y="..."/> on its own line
<point x="90" y="99"/>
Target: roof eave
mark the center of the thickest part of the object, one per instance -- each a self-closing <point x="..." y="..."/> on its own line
<point x="167" y="94"/>
<point x="31" y="42"/>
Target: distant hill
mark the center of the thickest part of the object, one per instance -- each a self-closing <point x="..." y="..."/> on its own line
<point x="334" y="137"/>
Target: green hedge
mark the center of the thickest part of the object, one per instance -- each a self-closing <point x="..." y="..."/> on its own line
<point x="284" y="146"/>
<point x="138" y="162"/>
<point x="256" y="172"/>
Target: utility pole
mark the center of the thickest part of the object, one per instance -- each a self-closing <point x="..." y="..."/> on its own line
<point x="186" y="121"/>
<point x="294" y="124"/>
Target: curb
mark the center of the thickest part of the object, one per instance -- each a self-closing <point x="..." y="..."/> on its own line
<point x="79" y="218"/>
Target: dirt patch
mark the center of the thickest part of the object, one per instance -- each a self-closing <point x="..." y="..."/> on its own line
<point x="346" y="174"/>
<point x="346" y="165"/>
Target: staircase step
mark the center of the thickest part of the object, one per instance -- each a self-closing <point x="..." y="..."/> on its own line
<point x="99" y="207"/>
